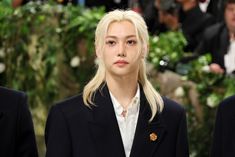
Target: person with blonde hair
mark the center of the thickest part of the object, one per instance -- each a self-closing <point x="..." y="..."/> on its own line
<point x="119" y="112"/>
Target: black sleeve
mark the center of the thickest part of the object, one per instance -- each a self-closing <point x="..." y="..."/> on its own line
<point x="25" y="141"/>
<point x="182" y="149"/>
<point x="58" y="142"/>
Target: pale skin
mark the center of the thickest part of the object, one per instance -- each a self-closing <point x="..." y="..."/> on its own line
<point x="121" y="59"/>
<point x="229" y="17"/>
<point x="215" y="68"/>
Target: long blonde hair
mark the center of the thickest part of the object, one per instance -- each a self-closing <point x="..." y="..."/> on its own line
<point x="153" y="97"/>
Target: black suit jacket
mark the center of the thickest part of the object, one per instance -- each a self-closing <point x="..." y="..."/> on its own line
<point x="194" y="22"/>
<point x="216" y="8"/>
<point x="224" y="132"/>
<point x="74" y="130"/>
<point x="216" y="42"/>
<point x="17" y="138"/>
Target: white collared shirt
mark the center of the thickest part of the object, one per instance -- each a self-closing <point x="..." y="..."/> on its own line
<point x="229" y="58"/>
<point x="127" y="124"/>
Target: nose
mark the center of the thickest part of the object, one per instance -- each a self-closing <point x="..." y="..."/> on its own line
<point x="122" y="50"/>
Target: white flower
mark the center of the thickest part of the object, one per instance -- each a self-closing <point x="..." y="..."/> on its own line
<point x="38" y="2"/>
<point x="16" y="11"/>
<point x="75" y="62"/>
<point x="211" y="101"/>
<point x="2" y="67"/>
<point x="206" y="68"/>
<point x="59" y="8"/>
<point x="32" y="10"/>
<point x="2" y="53"/>
<point x="58" y="30"/>
<point x="179" y="92"/>
<point x="46" y="7"/>
<point x="155" y="39"/>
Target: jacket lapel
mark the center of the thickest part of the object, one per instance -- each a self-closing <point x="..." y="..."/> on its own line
<point x="148" y="136"/>
<point x="104" y="127"/>
<point x="105" y="131"/>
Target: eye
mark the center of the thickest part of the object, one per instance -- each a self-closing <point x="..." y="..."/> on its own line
<point x="131" y="42"/>
<point x="110" y="42"/>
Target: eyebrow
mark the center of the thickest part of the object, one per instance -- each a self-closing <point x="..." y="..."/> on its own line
<point x="113" y="36"/>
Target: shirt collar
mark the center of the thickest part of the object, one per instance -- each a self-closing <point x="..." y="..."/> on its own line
<point x="133" y="107"/>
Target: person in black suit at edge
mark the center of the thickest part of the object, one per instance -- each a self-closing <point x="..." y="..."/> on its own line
<point x="17" y="138"/>
<point x="119" y="112"/>
<point x="224" y="132"/>
<point x="219" y="41"/>
<point x="193" y="22"/>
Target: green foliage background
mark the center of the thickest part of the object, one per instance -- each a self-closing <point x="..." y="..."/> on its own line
<point x="47" y="51"/>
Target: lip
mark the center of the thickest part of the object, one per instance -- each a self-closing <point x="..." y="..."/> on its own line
<point x="121" y="62"/>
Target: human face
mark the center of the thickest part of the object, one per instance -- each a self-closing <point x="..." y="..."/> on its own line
<point x="120" y="55"/>
<point x="230" y="16"/>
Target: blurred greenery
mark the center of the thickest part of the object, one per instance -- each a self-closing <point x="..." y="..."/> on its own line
<point x="166" y="50"/>
<point x="212" y="88"/>
<point x="47" y="51"/>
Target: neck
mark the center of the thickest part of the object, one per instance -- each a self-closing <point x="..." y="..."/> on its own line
<point x="123" y="89"/>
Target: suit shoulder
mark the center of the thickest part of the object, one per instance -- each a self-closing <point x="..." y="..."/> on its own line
<point x="173" y="114"/>
<point x="213" y="30"/>
<point x="9" y="93"/>
<point x="70" y="101"/>
<point x="12" y="99"/>
<point x="227" y="105"/>
<point x="172" y="107"/>
<point x="71" y="106"/>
